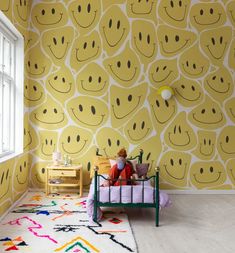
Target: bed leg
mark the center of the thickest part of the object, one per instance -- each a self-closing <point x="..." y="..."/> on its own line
<point x="95" y="212"/>
<point x="157" y="217"/>
<point x="157" y="198"/>
<point x="95" y="197"/>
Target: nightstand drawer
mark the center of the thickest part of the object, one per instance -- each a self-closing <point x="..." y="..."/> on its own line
<point x="62" y="173"/>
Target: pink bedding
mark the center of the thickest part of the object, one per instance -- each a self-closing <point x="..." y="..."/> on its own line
<point x="124" y="196"/>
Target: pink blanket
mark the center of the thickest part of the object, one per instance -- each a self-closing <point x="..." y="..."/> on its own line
<point x="141" y="194"/>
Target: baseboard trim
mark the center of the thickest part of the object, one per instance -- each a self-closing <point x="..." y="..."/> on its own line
<point x="200" y="192"/>
<point x="13" y="206"/>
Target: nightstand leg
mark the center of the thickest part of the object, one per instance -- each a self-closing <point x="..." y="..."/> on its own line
<point x="81" y="183"/>
<point x="46" y="184"/>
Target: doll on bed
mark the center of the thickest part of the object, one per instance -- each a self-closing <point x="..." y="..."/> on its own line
<point x="121" y="170"/>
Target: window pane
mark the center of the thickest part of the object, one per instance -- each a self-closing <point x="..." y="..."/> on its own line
<point x="1" y="50"/>
<point x="6" y="115"/>
<point x="7" y="56"/>
<point x="1" y="116"/>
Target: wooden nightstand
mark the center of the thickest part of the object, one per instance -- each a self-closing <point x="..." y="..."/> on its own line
<point x="64" y="176"/>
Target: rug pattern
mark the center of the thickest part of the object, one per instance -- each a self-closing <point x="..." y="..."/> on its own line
<point x="39" y="224"/>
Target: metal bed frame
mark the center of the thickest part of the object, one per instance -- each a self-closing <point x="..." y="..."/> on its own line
<point x="155" y="203"/>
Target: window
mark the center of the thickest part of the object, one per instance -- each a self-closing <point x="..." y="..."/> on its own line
<point x="11" y="89"/>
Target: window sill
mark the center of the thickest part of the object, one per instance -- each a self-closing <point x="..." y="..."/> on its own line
<point x="5" y="158"/>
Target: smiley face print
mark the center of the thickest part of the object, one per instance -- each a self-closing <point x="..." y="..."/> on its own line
<point x="215" y="43"/>
<point x="174" y="167"/>
<point x="30" y="136"/>
<point x="124" y="67"/>
<point x="187" y="92"/>
<point x="49" y="115"/>
<point x="193" y="64"/>
<point x="219" y="84"/>
<point x="88" y="112"/>
<point x="163" y="72"/>
<point x="206" y="145"/>
<point x="175" y="13"/>
<point x="207" y="15"/>
<point x="57" y="42"/>
<point x="139" y="127"/>
<point x="61" y="84"/>
<point x="21" y="173"/>
<point x="125" y="102"/>
<point x="30" y="38"/>
<point x="173" y="41"/>
<point x="47" y="145"/>
<point x="93" y="80"/>
<point x="225" y="144"/>
<point x="231" y="170"/>
<point x="37" y="64"/>
<point x="34" y="93"/>
<point x="74" y="141"/>
<point x="142" y="9"/>
<point x="179" y="134"/>
<point x="107" y="3"/>
<point x="85" y="49"/>
<point x="87" y="165"/>
<point x="231" y="12"/>
<point x="5" y="179"/>
<point x="152" y="149"/>
<point x="162" y="111"/>
<point x="49" y="15"/>
<point x="6" y="8"/>
<point x="110" y="141"/>
<point x="207" y="174"/>
<point x="38" y="174"/>
<point x="144" y="40"/>
<point x="207" y="115"/>
<point x="114" y="28"/>
<point x="231" y="55"/>
<point x="21" y="10"/>
<point x="85" y="14"/>
<point x="230" y="109"/>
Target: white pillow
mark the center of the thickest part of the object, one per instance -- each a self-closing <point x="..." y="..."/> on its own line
<point x="133" y="162"/>
<point x="112" y="162"/>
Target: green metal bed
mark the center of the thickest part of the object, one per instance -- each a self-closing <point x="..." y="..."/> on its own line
<point x="154" y="179"/>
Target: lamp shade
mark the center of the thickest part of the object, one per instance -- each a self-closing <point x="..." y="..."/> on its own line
<point x="166" y="92"/>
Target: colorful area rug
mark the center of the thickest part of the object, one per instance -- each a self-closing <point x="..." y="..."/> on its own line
<point x="45" y="225"/>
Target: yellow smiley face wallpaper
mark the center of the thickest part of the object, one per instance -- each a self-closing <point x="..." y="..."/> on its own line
<point x="94" y="74"/>
<point x="114" y="28"/>
<point x="207" y="174"/>
<point x="174" y="166"/>
<point x="206" y="146"/>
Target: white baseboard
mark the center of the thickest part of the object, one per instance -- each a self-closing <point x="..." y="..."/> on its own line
<point x="200" y="192"/>
<point x="69" y="191"/>
<point x="13" y="205"/>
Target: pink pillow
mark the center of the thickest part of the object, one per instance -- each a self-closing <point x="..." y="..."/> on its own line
<point x="142" y="169"/>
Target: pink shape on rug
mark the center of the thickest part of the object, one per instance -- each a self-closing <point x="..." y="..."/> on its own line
<point x="77" y="250"/>
<point x="31" y="229"/>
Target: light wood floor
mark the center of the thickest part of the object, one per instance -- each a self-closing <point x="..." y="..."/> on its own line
<point x="194" y="224"/>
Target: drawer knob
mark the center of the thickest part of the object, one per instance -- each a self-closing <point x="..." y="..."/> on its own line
<point x="62" y="173"/>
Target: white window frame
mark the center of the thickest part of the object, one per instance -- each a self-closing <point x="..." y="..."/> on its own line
<point x="16" y="86"/>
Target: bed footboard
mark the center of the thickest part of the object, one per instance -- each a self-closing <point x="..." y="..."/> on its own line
<point x="109" y="203"/>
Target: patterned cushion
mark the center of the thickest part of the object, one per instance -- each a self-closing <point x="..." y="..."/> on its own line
<point x="142" y="169"/>
<point x="103" y="164"/>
